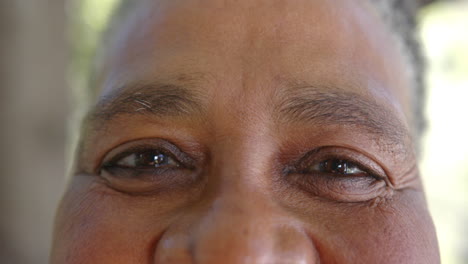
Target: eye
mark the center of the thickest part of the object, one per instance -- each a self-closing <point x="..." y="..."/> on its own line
<point x="339" y="174"/>
<point x="147" y="167"/>
<point x="338" y="166"/>
<point x="147" y="159"/>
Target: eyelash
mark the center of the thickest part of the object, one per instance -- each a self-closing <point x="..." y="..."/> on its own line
<point x="323" y="154"/>
<point x="145" y="146"/>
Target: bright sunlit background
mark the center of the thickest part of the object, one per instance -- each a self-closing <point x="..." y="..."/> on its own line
<point x="444" y="30"/>
<point x="28" y="199"/>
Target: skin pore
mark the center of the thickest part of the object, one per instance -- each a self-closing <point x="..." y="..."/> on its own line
<point x="248" y="132"/>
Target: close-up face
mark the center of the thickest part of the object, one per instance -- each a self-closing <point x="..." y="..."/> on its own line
<point x="266" y="131"/>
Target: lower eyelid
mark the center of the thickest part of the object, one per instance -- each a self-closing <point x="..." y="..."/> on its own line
<point x="145" y="181"/>
<point x="344" y="189"/>
<point x="147" y="170"/>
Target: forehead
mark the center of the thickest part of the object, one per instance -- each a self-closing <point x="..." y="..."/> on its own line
<point x="254" y="45"/>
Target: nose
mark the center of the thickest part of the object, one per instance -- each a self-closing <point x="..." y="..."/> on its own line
<point x="237" y="231"/>
<point x="248" y="233"/>
<point x="238" y="218"/>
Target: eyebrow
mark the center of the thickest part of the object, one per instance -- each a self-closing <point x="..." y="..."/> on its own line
<point x="331" y="106"/>
<point x="306" y="104"/>
<point x="154" y="98"/>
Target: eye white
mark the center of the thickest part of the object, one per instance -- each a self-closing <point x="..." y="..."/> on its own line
<point x="128" y="161"/>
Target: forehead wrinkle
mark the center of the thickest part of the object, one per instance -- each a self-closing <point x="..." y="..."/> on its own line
<point x="332" y="106"/>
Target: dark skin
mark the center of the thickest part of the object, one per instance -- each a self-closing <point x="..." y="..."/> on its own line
<point x="248" y="132"/>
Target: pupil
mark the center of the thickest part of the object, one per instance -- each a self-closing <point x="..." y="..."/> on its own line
<point x="340" y="166"/>
<point x="159" y="159"/>
<point x="335" y="166"/>
<point x="150" y="159"/>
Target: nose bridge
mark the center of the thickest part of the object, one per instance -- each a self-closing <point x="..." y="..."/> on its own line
<point x="237" y="219"/>
<point x="240" y="221"/>
<point x="241" y="160"/>
<point x="234" y="222"/>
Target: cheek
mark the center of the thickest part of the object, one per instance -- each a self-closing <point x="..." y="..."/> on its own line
<point x="394" y="231"/>
<point x="98" y="226"/>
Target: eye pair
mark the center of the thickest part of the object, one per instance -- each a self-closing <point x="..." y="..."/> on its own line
<point x="155" y="165"/>
<point x="157" y="159"/>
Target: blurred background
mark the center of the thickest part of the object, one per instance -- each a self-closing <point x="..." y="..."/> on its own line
<point x="45" y="52"/>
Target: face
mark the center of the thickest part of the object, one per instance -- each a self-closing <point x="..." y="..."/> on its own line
<point x="248" y="132"/>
